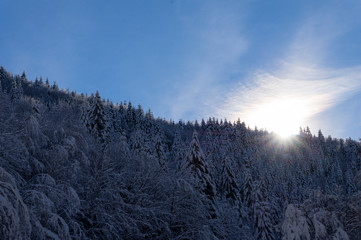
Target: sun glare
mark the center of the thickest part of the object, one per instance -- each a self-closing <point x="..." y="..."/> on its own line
<point x="283" y="117"/>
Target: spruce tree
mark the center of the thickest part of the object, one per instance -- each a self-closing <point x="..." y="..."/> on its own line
<point x="3" y="73"/>
<point x="23" y="77"/>
<point x="160" y="151"/>
<point x="349" y="183"/>
<point x="178" y="151"/>
<point x="228" y="183"/>
<point x="19" y="82"/>
<point x="36" y="83"/>
<point x="262" y="213"/>
<point x="139" y="145"/>
<point x="55" y="87"/>
<point x="196" y="162"/>
<point x="96" y="119"/>
<point x="15" y="91"/>
<point x="47" y="84"/>
<point x="247" y="183"/>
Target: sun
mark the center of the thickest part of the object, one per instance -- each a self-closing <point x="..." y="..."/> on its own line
<point x="283" y="117"/>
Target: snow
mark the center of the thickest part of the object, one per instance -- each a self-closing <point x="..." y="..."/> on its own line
<point x="79" y="167"/>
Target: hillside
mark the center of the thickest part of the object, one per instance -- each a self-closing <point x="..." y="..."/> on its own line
<point x="79" y="167"/>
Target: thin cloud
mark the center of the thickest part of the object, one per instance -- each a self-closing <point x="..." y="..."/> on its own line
<point x="218" y="45"/>
<point x="301" y="78"/>
<point x="316" y="89"/>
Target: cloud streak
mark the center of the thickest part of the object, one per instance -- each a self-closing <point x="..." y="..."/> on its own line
<point x="313" y="89"/>
<point x="218" y="43"/>
<point x="290" y="89"/>
<point x="300" y="84"/>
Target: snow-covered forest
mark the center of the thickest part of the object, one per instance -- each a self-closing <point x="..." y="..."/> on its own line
<point x="74" y="166"/>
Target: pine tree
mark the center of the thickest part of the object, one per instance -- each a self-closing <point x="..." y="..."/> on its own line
<point x="55" y="87"/>
<point x="41" y="81"/>
<point x="262" y="214"/>
<point x="228" y="183"/>
<point x="160" y="151"/>
<point x="247" y="184"/>
<point x="15" y="91"/>
<point x="210" y="139"/>
<point x="36" y="110"/>
<point x="139" y="144"/>
<point x="195" y="159"/>
<point x="3" y="73"/>
<point x="19" y="81"/>
<point x="36" y="82"/>
<point x="178" y="151"/>
<point x="23" y="77"/>
<point x="196" y="162"/>
<point x="96" y="119"/>
<point x="130" y="117"/>
<point x="321" y="138"/>
<point x="116" y="119"/>
<point x="350" y="184"/>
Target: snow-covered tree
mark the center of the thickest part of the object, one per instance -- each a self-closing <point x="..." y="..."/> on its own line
<point x="16" y="90"/>
<point x="247" y="188"/>
<point x="197" y="164"/>
<point x="14" y="214"/>
<point x="262" y="214"/>
<point x="160" y="149"/>
<point x="57" y="181"/>
<point x="96" y="119"/>
<point x="228" y="184"/>
<point x="178" y="151"/>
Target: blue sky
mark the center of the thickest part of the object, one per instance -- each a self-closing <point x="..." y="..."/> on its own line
<point x="274" y="64"/>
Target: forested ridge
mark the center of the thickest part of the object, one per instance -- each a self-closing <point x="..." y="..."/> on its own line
<point x="74" y="166"/>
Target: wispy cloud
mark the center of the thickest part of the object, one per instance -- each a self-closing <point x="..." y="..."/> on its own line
<point x="218" y="43"/>
<point x="301" y="78"/>
<point x="295" y="86"/>
<point x="313" y="90"/>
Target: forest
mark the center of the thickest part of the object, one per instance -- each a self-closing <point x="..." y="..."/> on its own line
<point x="74" y="166"/>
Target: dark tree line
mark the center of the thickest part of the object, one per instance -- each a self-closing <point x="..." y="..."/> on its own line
<point x="74" y="166"/>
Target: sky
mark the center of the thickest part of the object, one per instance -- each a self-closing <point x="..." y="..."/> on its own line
<point x="277" y="65"/>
